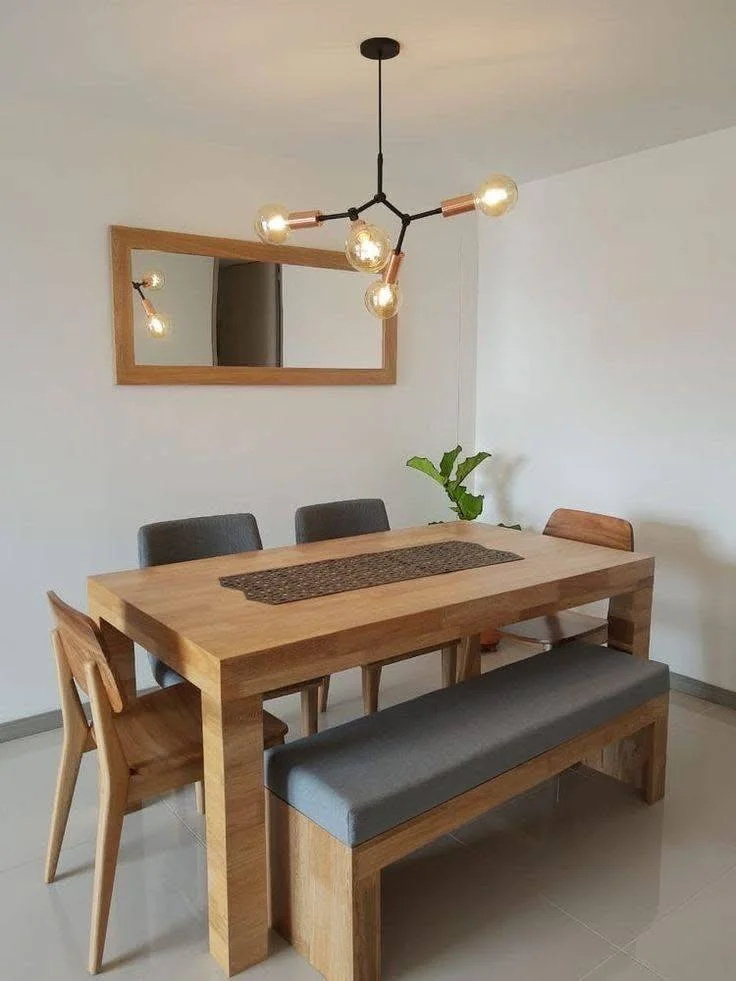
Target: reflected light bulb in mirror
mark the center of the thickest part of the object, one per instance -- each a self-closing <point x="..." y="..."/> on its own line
<point x="158" y="325"/>
<point x="368" y="247"/>
<point x="154" y="280"/>
<point x="496" y="196"/>
<point x="383" y="299"/>
<point x="272" y="224"/>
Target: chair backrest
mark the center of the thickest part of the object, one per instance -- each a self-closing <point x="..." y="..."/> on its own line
<point x="186" y="539"/>
<point x="82" y="647"/>
<point x="592" y="529"/>
<point x="340" y="519"/>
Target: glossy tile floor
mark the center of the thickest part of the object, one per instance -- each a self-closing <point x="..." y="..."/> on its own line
<point x="588" y="884"/>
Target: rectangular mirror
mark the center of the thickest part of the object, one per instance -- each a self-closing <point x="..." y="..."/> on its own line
<point x="196" y="310"/>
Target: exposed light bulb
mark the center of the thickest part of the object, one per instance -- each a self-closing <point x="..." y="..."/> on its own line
<point x="272" y="224"/>
<point x="383" y="299"/>
<point x="158" y="326"/>
<point x="368" y="247"/>
<point x="154" y="280"/>
<point x="496" y="196"/>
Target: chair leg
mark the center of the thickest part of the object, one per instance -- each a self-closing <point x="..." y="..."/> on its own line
<point x="199" y="797"/>
<point x="113" y="798"/>
<point x="371" y="683"/>
<point x="75" y="743"/>
<point x="324" y="691"/>
<point x="449" y="665"/>
<point x="310" y="710"/>
<point x="469" y="660"/>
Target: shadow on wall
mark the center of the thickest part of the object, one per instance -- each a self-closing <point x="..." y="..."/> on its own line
<point x="694" y="618"/>
<point x="497" y="482"/>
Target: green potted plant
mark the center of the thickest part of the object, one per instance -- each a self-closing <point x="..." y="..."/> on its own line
<point x="451" y="475"/>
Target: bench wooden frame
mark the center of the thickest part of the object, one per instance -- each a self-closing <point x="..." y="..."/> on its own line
<point x="326" y="896"/>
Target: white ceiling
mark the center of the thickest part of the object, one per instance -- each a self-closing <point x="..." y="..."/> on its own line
<point x="531" y="87"/>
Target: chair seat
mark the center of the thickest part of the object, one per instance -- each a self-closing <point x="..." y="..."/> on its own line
<point x="164" y="729"/>
<point x="560" y="629"/>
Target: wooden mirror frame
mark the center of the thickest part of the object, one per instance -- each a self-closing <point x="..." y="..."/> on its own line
<point x="122" y="242"/>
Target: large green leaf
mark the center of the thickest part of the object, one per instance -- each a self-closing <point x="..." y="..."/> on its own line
<point x="469" y="506"/>
<point x="468" y="465"/>
<point x="448" y="461"/>
<point x="424" y="465"/>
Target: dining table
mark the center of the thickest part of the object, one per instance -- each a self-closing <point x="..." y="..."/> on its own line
<point x="235" y="649"/>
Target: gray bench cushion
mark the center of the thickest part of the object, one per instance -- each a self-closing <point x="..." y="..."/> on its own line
<point x="360" y="779"/>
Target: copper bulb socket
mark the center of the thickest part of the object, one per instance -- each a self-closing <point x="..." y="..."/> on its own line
<point x="391" y="273"/>
<point x="458" y="206"/>
<point x="149" y="307"/>
<point x="304" y="219"/>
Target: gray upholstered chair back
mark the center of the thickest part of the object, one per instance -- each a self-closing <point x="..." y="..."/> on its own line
<point x="186" y="539"/>
<point x="340" y="519"/>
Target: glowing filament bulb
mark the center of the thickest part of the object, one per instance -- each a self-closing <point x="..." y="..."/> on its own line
<point x="272" y="224"/>
<point x="368" y="247"/>
<point x="154" y="280"/>
<point x="496" y="196"/>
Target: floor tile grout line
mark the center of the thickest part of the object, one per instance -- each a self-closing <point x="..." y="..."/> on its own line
<point x="655" y="974"/>
<point x="677" y="909"/>
<point x="192" y="831"/>
<point x="611" y="943"/>
<point x="592" y="971"/>
<point x="88" y="839"/>
<point x="656" y="920"/>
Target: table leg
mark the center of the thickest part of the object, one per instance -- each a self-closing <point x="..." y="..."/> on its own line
<point x="468" y="658"/>
<point x="629" y="628"/>
<point x="630" y="621"/>
<point x="236" y="830"/>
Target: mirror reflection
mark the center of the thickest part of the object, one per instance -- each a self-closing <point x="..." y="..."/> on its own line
<point x="200" y="310"/>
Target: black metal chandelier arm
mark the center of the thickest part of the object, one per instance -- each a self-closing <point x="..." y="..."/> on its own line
<point x="351" y="213"/>
<point x="335" y="217"/>
<point x="138" y="287"/>
<point x="406" y="220"/>
<point x="426" y="214"/>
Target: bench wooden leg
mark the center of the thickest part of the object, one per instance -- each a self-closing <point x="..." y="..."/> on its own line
<point x="331" y="918"/>
<point x="656" y="765"/>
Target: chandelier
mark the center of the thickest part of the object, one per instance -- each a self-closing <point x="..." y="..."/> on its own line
<point x="368" y="248"/>
<point x="156" y="323"/>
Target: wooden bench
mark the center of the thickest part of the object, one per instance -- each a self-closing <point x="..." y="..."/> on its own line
<point x="346" y="803"/>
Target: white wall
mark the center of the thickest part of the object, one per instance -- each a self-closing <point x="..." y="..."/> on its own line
<point x="326" y="324"/>
<point x="185" y="301"/>
<point x="86" y="462"/>
<point x="607" y="372"/>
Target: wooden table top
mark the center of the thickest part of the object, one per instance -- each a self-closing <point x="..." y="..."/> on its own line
<point x="181" y="612"/>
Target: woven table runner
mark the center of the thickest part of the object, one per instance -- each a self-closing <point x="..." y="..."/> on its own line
<point x="300" y="582"/>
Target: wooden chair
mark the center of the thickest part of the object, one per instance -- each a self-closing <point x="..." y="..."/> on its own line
<point x="345" y="519"/>
<point x="592" y="529"/>
<point x="143" y="750"/>
<point x="187" y="539"/>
